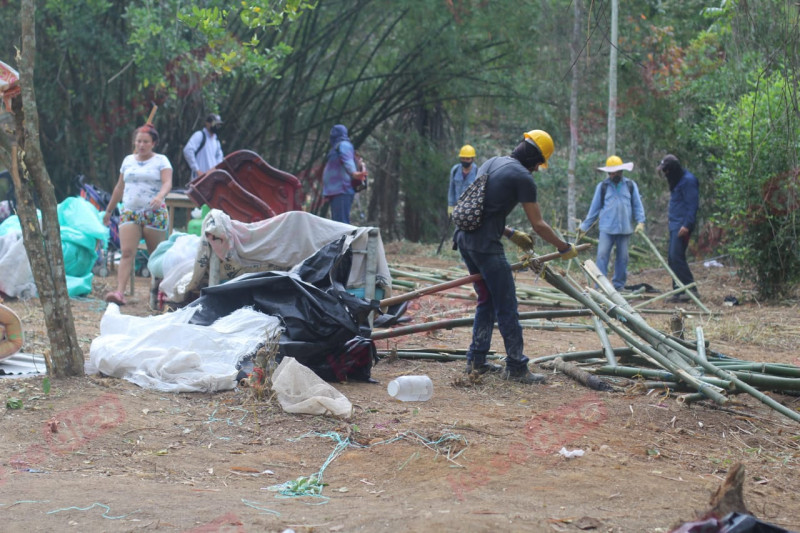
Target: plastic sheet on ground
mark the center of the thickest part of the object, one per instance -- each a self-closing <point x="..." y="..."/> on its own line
<point x="326" y="328"/>
<point x="81" y="229"/>
<point x="23" y="365"/>
<point x="167" y="353"/>
<point x="275" y="244"/>
<point x="301" y="391"/>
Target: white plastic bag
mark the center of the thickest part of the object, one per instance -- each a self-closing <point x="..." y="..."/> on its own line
<point x="301" y="391"/>
<point x="166" y="353"/>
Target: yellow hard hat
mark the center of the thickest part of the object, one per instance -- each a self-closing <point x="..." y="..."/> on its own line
<point x="467" y="151"/>
<point x="614" y="161"/>
<point x="543" y="141"/>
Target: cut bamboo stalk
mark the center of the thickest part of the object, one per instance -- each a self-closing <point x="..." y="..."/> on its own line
<point x="560" y="283"/>
<point x="736" y="380"/>
<point x="678" y="282"/>
<point x="468" y="321"/>
<point x="701" y="343"/>
<point x="468" y="279"/>
<point x="581" y="376"/>
<point x="580" y="356"/>
<point x="616" y="300"/>
<point x="603" y="335"/>
<point x="654" y="373"/>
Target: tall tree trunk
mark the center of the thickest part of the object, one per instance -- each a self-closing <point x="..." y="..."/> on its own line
<point x="43" y="245"/>
<point x="573" y="116"/>
<point x="611" y="143"/>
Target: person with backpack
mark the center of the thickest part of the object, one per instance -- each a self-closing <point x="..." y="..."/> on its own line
<point x="204" y="151"/>
<point x="339" y="174"/>
<point x="461" y="176"/>
<point x="508" y="182"/>
<point x="618" y="206"/>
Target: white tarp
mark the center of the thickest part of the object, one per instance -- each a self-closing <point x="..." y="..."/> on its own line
<point x="275" y="244"/>
<point x="165" y="352"/>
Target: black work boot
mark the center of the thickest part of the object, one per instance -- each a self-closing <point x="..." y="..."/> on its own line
<point x="522" y="375"/>
<point x="480" y="366"/>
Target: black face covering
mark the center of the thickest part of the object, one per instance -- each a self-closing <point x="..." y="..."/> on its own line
<point x="215" y="129"/>
<point x="672" y="169"/>
<point x="466" y="164"/>
<point x="616" y="178"/>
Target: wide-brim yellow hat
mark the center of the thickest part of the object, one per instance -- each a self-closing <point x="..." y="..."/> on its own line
<point x="615" y="164"/>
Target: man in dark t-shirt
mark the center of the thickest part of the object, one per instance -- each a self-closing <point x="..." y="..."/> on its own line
<point x="510" y="182"/>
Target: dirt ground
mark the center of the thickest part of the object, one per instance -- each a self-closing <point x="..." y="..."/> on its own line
<point x="99" y="454"/>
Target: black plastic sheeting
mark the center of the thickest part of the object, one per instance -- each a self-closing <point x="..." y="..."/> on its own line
<point x="731" y="523"/>
<point x="326" y="328"/>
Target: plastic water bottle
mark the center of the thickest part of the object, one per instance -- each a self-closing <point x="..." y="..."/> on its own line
<point x="411" y="388"/>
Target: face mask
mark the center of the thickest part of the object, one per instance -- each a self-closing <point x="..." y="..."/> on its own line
<point x="214" y="129"/>
<point x="466" y="164"/>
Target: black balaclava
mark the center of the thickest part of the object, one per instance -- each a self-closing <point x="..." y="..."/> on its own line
<point x="466" y="164"/>
<point x="616" y="177"/>
<point x="528" y="154"/>
<point x="671" y="167"/>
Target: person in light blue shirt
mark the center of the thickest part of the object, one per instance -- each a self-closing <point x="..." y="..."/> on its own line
<point x="461" y="176"/>
<point x="618" y="206"/>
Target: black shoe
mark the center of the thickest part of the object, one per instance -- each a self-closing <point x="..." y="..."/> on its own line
<point x="483" y="368"/>
<point x="522" y="375"/>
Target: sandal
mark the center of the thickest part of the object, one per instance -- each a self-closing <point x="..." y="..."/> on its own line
<point x="115" y="297"/>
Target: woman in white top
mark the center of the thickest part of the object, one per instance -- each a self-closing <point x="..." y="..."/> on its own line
<point x="145" y="179"/>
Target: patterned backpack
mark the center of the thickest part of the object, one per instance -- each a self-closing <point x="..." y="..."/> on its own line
<point x="468" y="211"/>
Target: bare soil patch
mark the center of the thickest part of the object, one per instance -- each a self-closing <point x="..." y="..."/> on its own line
<point x="99" y="454"/>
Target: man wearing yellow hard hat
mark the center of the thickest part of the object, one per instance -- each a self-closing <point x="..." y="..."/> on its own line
<point x="461" y="176"/>
<point x="618" y="206"/>
<point x="509" y="182"/>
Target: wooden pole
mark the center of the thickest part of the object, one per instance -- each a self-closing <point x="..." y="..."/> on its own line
<point x="678" y="282"/>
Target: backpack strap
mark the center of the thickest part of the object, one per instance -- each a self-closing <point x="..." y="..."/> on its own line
<point x="202" y="143"/>
<point x="604" y="186"/>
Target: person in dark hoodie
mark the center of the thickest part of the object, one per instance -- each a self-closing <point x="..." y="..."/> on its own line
<point x="509" y="183"/>
<point x="682" y="213"/>
<point x="340" y="169"/>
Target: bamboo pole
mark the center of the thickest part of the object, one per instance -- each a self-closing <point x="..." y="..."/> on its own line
<point x="603" y="335"/>
<point x="581" y="376"/>
<point x="468" y="279"/>
<point x="678" y="282"/>
<point x="468" y="321"/>
<point x="738" y="381"/>
<point x="642" y="327"/>
<point x="701" y="343"/>
<point x="579" y="356"/>
<point x="560" y="283"/>
<point x="661" y="375"/>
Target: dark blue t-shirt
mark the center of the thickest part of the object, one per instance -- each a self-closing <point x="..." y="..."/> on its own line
<point x="509" y="184"/>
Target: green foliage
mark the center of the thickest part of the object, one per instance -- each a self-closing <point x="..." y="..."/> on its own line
<point x="754" y="146"/>
<point x="14" y="403"/>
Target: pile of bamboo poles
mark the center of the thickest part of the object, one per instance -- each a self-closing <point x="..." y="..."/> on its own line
<point x="666" y="361"/>
<point x="656" y="360"/>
